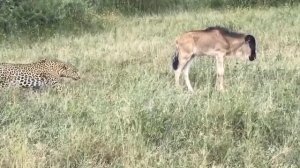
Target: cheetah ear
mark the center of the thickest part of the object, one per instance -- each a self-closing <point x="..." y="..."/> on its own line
<point x="42" y="60"/>
<point x="43" y="75"/>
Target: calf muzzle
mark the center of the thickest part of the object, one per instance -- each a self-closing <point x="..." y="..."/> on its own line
<point x="252" y="57"/>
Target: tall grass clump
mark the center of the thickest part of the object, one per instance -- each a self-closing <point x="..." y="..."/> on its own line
<point x="36" y="16"/>
<point x="41" y="17"/>
<point x="157" y="6"/>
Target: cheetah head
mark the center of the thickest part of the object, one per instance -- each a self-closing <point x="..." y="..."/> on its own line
<point x="69" y="71"/>
<point x="60" y="68"/>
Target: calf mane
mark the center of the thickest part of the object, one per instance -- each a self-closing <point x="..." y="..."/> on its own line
<point x="224" y="31"/>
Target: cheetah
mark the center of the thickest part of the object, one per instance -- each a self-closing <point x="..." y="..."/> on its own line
<point x="37" y="75"/>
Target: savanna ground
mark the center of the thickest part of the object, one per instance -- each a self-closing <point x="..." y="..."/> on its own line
<point x="126" y="112"/>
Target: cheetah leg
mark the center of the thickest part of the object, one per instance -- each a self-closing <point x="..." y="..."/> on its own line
<point x="57" y="86"/>
<point x="51" y="81"/>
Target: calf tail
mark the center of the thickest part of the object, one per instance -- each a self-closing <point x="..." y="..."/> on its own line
<point x="175" y="60"/>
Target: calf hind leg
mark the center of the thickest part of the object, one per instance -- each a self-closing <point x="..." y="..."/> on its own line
<point x="186" y="75"/>
<point x="178" y="71"/>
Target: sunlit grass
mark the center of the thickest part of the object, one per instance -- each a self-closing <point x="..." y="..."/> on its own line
<point x="126" y="112"/>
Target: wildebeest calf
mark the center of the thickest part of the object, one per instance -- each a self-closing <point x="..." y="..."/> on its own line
<point x="216" y="41"/>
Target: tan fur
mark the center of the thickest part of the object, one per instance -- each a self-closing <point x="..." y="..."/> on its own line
<point x="216" y="42"/>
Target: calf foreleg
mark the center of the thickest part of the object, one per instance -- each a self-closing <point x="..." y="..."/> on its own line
<point x="220" y="72"/>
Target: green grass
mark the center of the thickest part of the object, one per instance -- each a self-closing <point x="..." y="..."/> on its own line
<point x="126" y="112"/>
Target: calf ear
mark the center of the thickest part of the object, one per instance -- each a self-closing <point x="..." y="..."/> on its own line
<point x="251" y="41"/>
<point x="64" y="67"/>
